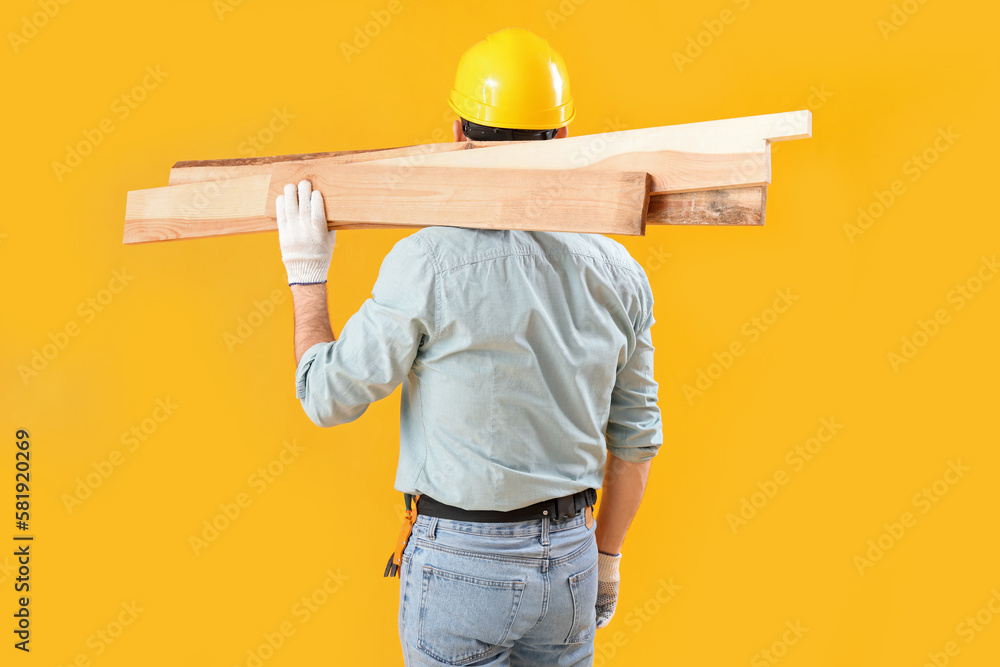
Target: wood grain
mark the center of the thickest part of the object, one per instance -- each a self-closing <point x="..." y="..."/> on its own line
<point x="366" y="195"/>
<point x="730" y="152"/>
<point x="192" y="171"/>
<point x="156" y="215"/>
<point x="729" y="207"/>
<point x="733" y="206"/>
<point x="706" y="173"/>
<point x="707" y="155"/>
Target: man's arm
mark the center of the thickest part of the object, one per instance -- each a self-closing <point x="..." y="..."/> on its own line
<point x="312" y="319"/>
<point x="634" y="431"/>
<point x="306" y="249"/>
<point x="621" y="493"/>
<point x="338" y="377"/>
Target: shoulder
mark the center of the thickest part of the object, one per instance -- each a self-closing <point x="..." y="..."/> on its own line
<point x="437" y="239"/>
<point x="618" y="254"/>
<point x="607" y="248"/>
<point x="427" y="243"/>
<point x="615" y="250"/>
<point x="448" y="247"/>
<point x="410" y="260"/>
<point x="437" y="248"/>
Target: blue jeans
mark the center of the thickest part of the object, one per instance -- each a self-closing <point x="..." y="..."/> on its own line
<point x="512" y="594"/>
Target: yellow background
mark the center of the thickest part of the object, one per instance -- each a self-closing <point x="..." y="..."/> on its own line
<point x="885" y="97"/>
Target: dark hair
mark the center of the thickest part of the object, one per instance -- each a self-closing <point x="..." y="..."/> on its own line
<point x="478" y="132"/>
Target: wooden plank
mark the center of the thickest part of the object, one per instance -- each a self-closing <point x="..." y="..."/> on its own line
<point x="189" y="210"/>
<point x="681" y="158"/>
<point x="156" y="214"/>
<point x="728" y="160"/>
<point x="733" y="206"/>
<point x="725" y="153"/>
<point x="722" y="208"/>
<point x="612" y="202"/>
<point x="193" y="171"/>
<point x="671" y="171"/>
<point x="729" y="207"/>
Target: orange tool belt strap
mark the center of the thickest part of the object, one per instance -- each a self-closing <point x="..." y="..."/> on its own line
<point x="396" y="558"/>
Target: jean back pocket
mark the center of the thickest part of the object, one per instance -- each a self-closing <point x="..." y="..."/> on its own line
<point x="464" y="618"/>
<point x="583" y="587"/>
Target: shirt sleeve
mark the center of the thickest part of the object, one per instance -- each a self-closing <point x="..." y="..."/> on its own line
<point x="635" y="431"/>
<point x="336" y="381"/>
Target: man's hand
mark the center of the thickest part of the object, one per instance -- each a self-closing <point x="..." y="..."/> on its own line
<point x="607" y="586"/>
<point x="306" y="244"/>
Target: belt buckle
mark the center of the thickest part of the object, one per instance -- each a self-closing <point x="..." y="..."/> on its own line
<point x="565" y="508"/>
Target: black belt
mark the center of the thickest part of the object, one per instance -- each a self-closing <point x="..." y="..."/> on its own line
<point x="556" y="509"/>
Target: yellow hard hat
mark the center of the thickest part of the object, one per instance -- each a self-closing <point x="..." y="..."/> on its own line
<point x="513" y="79"/>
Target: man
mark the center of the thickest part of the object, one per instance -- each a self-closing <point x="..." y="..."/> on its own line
<point x="526" y="365"/>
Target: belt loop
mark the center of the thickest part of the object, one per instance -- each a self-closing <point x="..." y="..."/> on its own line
<point x="432" y="528"/>
<point x="545" y="531"/>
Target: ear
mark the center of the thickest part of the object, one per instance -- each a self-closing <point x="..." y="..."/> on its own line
<point x="456" y="128"/>
<point x="563" y="132"/>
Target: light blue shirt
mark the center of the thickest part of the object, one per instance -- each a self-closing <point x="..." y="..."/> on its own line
<point x="524" y="357"/>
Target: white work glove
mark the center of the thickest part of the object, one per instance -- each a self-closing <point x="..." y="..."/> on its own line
<point x="607" y="586"/>
<point x="306" y="244"/>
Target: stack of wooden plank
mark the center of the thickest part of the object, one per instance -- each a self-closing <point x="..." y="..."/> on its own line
<point x="709" y="173"/>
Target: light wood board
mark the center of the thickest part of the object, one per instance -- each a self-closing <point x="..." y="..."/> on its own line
<point x="729" y="207"/>
<point x="193" y="171"/>
<point x="705" y="173"/>
<point x="732" y="152"/>
<point x="707" y="155"/>
<point x="613" y="202"/>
